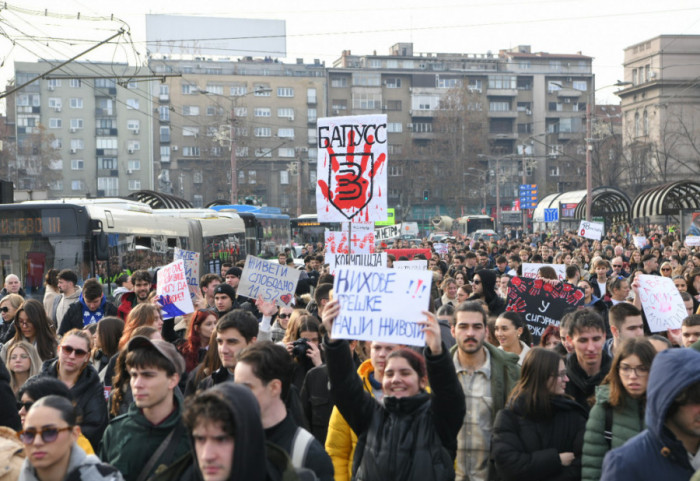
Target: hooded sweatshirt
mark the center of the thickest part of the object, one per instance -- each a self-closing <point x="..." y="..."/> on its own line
<point x="656" y="453"/>
<point x="65" y="302"/>
<point x="81" y="467"/>
<point x="488" y="285"/>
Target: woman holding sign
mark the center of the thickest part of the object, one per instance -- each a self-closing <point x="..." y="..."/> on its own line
<point x="412" y="435"/>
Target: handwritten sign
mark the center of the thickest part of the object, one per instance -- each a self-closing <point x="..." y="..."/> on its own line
<point x="362" y="241"/>
<point x="542" y="303"/>
<point x="351" y="169"/>
<point x="662" y="303"/>
<point x="417" y="265"/>
<point x="409" y="253"/>
<point x="440" y="248"/>
<point x="377" y="259"/>
<point x="173" y="291"/>
<point x="692" y="240"/>
<point x="191" y="260"/>
<point x="591" y="230"/>
<point x="387" y="232"/>
<point x="530" y="270"/>
<point x="381" y="304"/>
<point x="640" y="241"/>
<point x="271" y="280"/>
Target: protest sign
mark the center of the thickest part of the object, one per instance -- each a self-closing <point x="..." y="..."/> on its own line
<point x="381" y="304"/>
<point x="440" y="248"/>
<point x="530" y="270"/>
<point x="409" y="253"/>
<point x="362" y="241"/>
<point x="640" y="241"/>
<point x="271" y="280"/>
<point x="387" y="232"/>
<point x="662" y="303"/>
<point x="173" y="291"/>
<point x="591" y="230"/>
<point x="542" y="303"/>
<point x="191" y="261"/>
<point x="376" y="259"/>
<point x="417" y="265"/>
<point x="692" y="240"/>
<point x="410" y="228"/>
<point x="351" y="169"/>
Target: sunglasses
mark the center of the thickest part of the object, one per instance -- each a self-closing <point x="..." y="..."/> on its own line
<point x="4" y="309"/>
<point x="48" y="435"/>
<point x="665" y="268"/>
<point x="284" y="316"/>
<point x="70" y="350"/>
<point x="616" y="266"/>
<point x="26" y="405"/>
<point x="476" y="281"/>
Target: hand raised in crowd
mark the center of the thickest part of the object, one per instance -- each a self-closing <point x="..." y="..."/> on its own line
<point x="431" y="328"/>
<point x="314" y="353"/>
<point x="330" y="312"/>
<point x="266" y="308"/>
<point x="199" y="301"/>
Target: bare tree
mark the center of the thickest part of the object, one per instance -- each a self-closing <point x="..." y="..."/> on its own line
<point x="37" y="163"/>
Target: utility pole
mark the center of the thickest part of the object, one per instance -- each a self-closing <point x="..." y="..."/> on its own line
<point x="299" y="175"/>
<point x="589" y="169"/>
<point x="234" y="176"/>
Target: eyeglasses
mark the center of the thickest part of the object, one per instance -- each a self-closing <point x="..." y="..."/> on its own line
<point x="665" y="268"/>
<point x="24" y="323"/>
<point x="284" y="316"/>
<point x="561" y="374"/>
<point x="639" y="371"/>
<point x="4" y="309"/>
<point x="617" y="266"/>
<point x="476" y="282"/>
<point x="70" y="350"/>
<point x="48" y="435"/>
<point x="26" y="405"/>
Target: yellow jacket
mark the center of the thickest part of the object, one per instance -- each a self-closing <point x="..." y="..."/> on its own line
<point x="341" y="440"/>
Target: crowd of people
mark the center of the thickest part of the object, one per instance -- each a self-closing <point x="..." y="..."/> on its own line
<point x="96" y="385"/>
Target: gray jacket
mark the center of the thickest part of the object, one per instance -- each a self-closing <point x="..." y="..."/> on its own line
<point x="87" y="468"/>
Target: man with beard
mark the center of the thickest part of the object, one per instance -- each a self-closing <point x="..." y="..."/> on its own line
<point x="487" y="375"/>
<point x="142" y="287"/>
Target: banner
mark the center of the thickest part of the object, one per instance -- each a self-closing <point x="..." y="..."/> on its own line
<point x="440" y="248"/>
<point x="409" y="253"/>
<point x="377" y="259"/>
<point x="692" y="241"/>
<point x="591" y="230"/>
<point x="662" y="303"/>
<point x="351" y="169"/>
<point x="387" y="232"/>
<point x="418" y="265"/>
<point x="640" y="241"/>
<point x="173" y="291"/>
<point x="271" y="280"/>
<point x="381" y="304"/>
<point x="530" y="270"/>
<point x="362" y="240"/>
<point x="542" y="303"/>
<point x="191" y="260"/>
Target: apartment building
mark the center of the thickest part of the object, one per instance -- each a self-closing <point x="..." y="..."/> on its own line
<point x="260" y="111"/>
<point x="83" y="131"/>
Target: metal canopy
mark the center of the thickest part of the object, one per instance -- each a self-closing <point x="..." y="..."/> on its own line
<point x="158" y="200"/>
<point x="608" y="202"/>
<point x="667" y="199"/>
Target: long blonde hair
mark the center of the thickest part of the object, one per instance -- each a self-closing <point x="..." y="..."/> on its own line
<point x="34" y="362"/>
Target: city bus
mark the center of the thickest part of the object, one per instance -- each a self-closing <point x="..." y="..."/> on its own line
<point x="472" y="223"/>
<point x="267" y="230"/>
<point x="306" y="229"/>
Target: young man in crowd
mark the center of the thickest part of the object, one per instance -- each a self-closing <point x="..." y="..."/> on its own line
<point x="70" y="293"/>
<point x="690" y="330"/>
<point x="207" y="284"/>
<point x="224" y="299"/>
<point x="233" y="276"/>
<point x="625" y="323"/>
<point x="141" y="281"/>
<point x="91" y="307"/>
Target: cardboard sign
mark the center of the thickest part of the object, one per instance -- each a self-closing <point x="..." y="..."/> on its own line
<point x="417" y="265"/>
<point x="173" y="290"/>
<point x="377" y="259"/>
<point x="271" y="280"/>
<point x="381" y="304"/>
<point x="591" y="230"/>
<point x="410" y="228"/>
<point x="530" y="270"/>
<point x="362" y="241"/>
<point x="352" y="170"/>
<point x="409" y="253"/>
<point x="542" y="303"/>
<point x="440" y="248"/>
<point x="387" y="232"/>
<point x="692" y="241"/>
<point x="662" y="303"/>
<point x="191" y="260"/>
<point x="640" y="241"/>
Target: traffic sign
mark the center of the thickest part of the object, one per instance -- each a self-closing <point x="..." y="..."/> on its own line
<point x="551" y="215"/>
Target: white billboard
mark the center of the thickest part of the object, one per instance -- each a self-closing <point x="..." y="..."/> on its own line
<point x="217" y="36"/>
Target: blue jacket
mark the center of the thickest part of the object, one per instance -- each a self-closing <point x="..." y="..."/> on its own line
<point x="655" y="453"/>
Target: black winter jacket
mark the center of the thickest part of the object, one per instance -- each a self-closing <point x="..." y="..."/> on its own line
<point x="411" y="439"/>
<point x="524" y="449"/>
<point x="580" y="385"/>
<point x="89" y="397"/>
<point x="74" y="316"/>
<point x="8" y="413"/>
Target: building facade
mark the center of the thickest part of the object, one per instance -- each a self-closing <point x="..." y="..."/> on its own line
<point x="80" y="132"/>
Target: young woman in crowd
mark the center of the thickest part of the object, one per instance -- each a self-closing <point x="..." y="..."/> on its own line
<point x="635" y="261"/>
<point x="49" y="437"/>
<point x="539" y="433"/>
<point x="449" y="292"/>
<point x="107" y="334"/>
<point x="211" y="363"/>
<point x="73" y="368"/>
<point x="279" y="326"/>
<point x="430" y="421"/>
<point x="551" y="339"/>
<point x="309" y="328"/>
<point x="680" y="283"/>
<point x="618" y="413"/>
<point x="51" y="291"/>
<point x="145" y="314"/>
<point x="513" y="334"/>
<point x="199" y="329"/>
<point x="666" y="269"/>
<point x="8" y="308"/>
<point x="23" y="362"/>
<point x="33" y="326"/>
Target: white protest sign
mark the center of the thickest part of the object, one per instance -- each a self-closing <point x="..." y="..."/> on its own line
<point x="271" y="280"/>
<point x="351" y="169"/>
<point x="640" y="241"/>
<point x="530" y="270"/>
<point x="173" y="291"/>
<point x="377" y="259"/>
<point x="662" y="303"/>
<point x="410" y="228"/>
<point x="692" y="240"/>
<point x="591" y="230"/>
<point x="440" y="248"/>
<point x="191" y="260"/>
<point x="362" y="240"/>
<point x="387" y="232"/>
<point x="417" y="265"/>
<point x="381" y="304"/>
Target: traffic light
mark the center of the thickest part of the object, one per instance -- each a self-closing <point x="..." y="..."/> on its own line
<point x="426" y="195"/>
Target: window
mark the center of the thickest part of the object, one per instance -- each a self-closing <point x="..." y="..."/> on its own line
<point x="311" y="115"/>
<point x="239" y="112"/>
<point x="375" y="63"/>
<point x="475" y="85"/>
<point x="252" y="176"/>
<point x="165" y="153"/>
<point x="363" y="79"/>
<point x="77" y="144"/>
<point x="553" y="86"/>
<point x="215" y="151"/>
<point x="555" y="107"/>
<point x="238" y="90"/>
<point x="425" y="102"/>
<point x="339" y="82"/>
<point x="525" y="128"/>
<point x="190" y="131"/>
<point x="134" y="165"/>
<point x="422" y="127"/>
<point x="75" y="83"/>
<point x="285" y="113"/>
<point x="56" y="144"/>
<point x="285" y="92"/>
<point x="394" y="149"/>
<point x="55" y="123"/>
<point x="240" y="131"/>
<point x="164" y="134"/>
<point x="395" y="170"/>
<point x="106" y="143"/>
<point x="645" y="123"/>
<point x="408" y="64"/>
<point x="190" y="151"/>
<point x="392" y="64"/>
<point x="76" y="124"/>
<point x="580" y="85"/>
<point x="524" y="106"/>
<point x="77" y="185"/>
<point x="131" y="85"/>
<point x="287" y="152"/>
<point x="637" y="129"/>
<point x="53" y="83"/>
<point x="554" y="171"/>
<point x="503" y="81"/>
<point x="77" y="164"/>
<point x="189" y="89"/>
<point x="395" y="127"/>
<point x="262" y="112"/>
<point x="55" y="103"/>
<point x="311" y="134"/>
<point x="241" y="151"/>
<point x="132" y="104"/>
<point x="311" y="95"/>
<point x="499" y="106"/>
<point x="555" y="65"/>
<point x="134" y="185"/>
<point x="647" y="73"/>
<point x="197" y="177"/>
<point x="133" y="145"/>
<point x="556" y="149"/>
<point x="448" y="83"/>
<point x="259" y="153"/>
<point x="189" y="110"/>
<point x="164" y="113"/>
<point x="284" y="177"/>
<point x="392" y="83"/>
<point x="393" y="105"/>
<point x="262" y="132"/>
<point x="215" y="89"/>
<point x="56" y="185"/>
<point x="105" y="83"/>
<point x="524" y="83"/>
<point x="76" y="103"/>
<point x="338" y="105"/>
<point x="133" y="125"/>
<point x="285" y="133"/>
<point x="366" y="101"/>
<point x="262" y="90"/>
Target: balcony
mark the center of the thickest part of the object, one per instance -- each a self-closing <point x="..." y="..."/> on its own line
<point x="502" y="92"/>
<point x="503" y="135"/>
<point x="501" y="114"/>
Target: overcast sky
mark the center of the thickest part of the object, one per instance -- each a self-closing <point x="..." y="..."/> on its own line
<point x="598" y="28"/>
